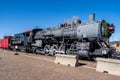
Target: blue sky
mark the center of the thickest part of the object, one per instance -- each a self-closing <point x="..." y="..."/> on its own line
<point x="19" y="15"/>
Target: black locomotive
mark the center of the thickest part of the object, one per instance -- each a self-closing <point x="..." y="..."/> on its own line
<point x="85" y="39"/>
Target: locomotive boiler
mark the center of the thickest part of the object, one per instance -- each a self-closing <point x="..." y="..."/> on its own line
<point x="86" y="39"/>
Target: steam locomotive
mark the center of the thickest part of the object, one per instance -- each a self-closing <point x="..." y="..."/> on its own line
<point x="85" y="39"/>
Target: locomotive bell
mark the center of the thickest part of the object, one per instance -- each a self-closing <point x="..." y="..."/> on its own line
<point x="76" y="20"/>
<point x="91" y="18"/>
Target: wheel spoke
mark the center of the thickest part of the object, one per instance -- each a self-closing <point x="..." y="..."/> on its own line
<point x="47" y="49"/>
<point x="54" y="48"/>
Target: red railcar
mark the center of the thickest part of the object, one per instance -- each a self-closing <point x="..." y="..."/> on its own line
<point x="5" y="42"/>
<point x="0" y="42"/>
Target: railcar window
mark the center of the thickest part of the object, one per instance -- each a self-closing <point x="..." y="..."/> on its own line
<point x="27" y="35"/>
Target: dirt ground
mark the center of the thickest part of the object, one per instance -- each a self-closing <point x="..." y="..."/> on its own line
<point x="40" y="67"/>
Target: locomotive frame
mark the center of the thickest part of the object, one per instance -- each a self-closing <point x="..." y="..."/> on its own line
<point x="69" y="38"/>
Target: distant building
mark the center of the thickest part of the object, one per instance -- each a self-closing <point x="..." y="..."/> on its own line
<point x="116" y="45"/>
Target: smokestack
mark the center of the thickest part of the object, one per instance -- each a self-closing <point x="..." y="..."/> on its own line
<point x="91" y="18"/>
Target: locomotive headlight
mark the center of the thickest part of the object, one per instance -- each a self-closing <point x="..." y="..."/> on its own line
<point x="110" y="28"/>
<point x="104" y="52"/>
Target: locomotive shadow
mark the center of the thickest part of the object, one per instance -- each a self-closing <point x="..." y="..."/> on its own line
<point x="84" y="62"/>
<point x="81" y="64"/>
